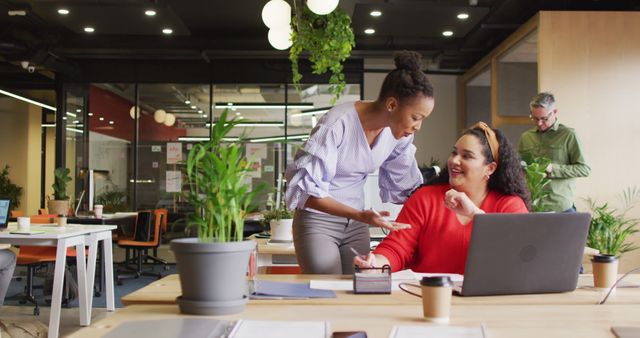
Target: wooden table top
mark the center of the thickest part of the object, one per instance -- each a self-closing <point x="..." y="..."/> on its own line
<point x="508" y="321"/>
<point x="165" y="291"/>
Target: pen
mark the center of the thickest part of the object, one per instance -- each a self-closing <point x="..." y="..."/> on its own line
<point x="363" y="257"/>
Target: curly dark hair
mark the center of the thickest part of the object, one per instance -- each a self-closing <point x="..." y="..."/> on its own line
<point x="508" y="178"/>
<point x="406" y="81"/>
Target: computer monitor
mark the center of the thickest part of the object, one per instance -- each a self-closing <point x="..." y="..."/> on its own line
<point x="5" y="208"/>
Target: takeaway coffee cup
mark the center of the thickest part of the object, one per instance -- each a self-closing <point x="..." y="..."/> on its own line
<point x="605" y="270"/>
<point x="24" y="223"/>
<point x="62" y="220"/>
<point x="97" y="210"/>
<point x="436" y="298"/>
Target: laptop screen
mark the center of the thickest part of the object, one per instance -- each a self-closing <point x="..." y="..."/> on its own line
<point x="5" y="205"/>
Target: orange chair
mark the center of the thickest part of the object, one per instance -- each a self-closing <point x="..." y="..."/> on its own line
<point x="147" y="236"/>
<point x="16" y="213"/>
<point x="44" y="219"/>
<point x="163" y="231"/>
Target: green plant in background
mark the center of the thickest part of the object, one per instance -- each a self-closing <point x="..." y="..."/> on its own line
<point x="537" y="179"/>
<point x="610" y="227"/>
<point x="216" y="172"/>
<point x="328" y="39"/>
<point x="9" y="189"/>
<point x="113" y="200"/>
<point x="61" y="179"/>
<point x="275" y="212"/>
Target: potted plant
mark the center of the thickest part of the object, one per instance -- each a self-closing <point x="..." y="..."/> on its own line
<point x="112" y="199"/>
<point x="213" y="266"/>
<point x="537" y="179"/>
<point x="328" y="39"/>
<point x="608" y="233"/>
<point x="59" y="205"/>
<point x="9" y="189"/>
<point x="280" y="222"/>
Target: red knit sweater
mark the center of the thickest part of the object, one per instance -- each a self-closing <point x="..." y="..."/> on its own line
<point x="437" y="241"/>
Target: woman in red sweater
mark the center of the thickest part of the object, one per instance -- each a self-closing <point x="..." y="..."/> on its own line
<point x="483" y="176"/>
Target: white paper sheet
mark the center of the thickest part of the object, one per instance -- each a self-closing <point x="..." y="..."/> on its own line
<point x="436" y="331"/>
<point x="280" y="329"/>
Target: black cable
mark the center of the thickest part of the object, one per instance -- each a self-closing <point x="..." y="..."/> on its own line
<point x="616" y="284"/>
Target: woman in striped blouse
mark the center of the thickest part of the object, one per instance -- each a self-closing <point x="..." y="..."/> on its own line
<point x="352" y="140"/>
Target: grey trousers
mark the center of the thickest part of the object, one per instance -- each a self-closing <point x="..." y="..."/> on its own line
<point x="323" y="242"/>
<point x="7" y="264"/>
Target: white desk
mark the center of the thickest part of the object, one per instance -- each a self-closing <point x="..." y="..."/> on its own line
<point x="62" y="238"/>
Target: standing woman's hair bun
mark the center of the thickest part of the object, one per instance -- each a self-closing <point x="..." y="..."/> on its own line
<point x="408" y="60"/>
<point x="407" y="80"/>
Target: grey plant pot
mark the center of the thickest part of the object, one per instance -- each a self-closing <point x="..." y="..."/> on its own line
<point x="212" y="276"/>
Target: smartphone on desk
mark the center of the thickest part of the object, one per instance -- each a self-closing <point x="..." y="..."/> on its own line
<point x="349" y="334"/>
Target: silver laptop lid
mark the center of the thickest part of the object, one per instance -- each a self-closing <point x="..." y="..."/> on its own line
<point x="525" y="253"/>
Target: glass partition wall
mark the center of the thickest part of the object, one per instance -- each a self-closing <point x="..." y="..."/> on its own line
<point x="134" y="156"/>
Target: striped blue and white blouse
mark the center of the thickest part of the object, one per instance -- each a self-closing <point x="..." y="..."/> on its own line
<point x="336" y="160"/>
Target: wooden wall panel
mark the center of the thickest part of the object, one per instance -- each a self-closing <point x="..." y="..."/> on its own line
<point x="591" y="62"/>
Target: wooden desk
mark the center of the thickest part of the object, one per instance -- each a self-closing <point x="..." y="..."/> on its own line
<point x="72" y="235"/>
<point x="508" y="321"/>
<point x="165" y="291"/>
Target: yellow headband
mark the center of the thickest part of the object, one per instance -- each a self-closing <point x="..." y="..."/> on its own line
<point x="492" y="140"/>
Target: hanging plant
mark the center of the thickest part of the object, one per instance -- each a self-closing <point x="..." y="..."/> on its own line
<point x="328" y="39"/>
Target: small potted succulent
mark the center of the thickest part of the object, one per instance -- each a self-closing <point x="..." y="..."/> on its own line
<point x="280" y="221"/>
<point x="59" y="205"/>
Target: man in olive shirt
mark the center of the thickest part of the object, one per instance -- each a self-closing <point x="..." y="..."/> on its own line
<point x="558" y="143"/>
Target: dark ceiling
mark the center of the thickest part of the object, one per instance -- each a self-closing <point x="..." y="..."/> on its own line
<point x="205" y="30"/>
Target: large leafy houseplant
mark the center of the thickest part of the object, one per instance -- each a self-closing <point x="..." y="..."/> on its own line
<point x="328" y="40"/>
<point x="610" y="227"/>
<point x="213" y="267"/>
<point x="537" y="180"/>
<point x="216" y="172"/>
<point x="9" y="189"/>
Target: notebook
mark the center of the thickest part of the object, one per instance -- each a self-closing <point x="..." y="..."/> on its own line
<point x="5" y="207"/>
<point x="524" y="253"/>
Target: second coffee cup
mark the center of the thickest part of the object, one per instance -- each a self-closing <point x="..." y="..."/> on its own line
<point x="436" y="298"/>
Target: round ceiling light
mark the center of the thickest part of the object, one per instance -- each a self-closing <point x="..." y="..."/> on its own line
<point x="276" y="13"/>
<point x="322" y="7"/>
<point x="159" y="115"/>
<point x="169" y="120"/>
<point x="369" y="31"/>
<point x="150" y="12"/>
<point x="63" y="11"/>
<point x="447" y="33"/>
<point x="280" y="37"/>
<point x="167" y="31"/>
<point x="133" y="113"/>
<point x="463" y="16"/>
<point x="375" y="13"/>
<point x="89" y="29"/>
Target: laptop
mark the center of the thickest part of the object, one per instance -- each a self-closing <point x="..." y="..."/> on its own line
<point x="524" y="253"/>
<point x="5" y="209"/>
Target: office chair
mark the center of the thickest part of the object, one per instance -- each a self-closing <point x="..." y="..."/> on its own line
<point x="147" y="236"/>
<point x="163" y="233"/>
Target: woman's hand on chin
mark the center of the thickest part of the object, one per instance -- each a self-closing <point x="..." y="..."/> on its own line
<point x="460" y="203"/>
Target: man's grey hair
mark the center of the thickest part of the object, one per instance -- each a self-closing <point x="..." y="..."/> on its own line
<point x="543" y="100"/>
